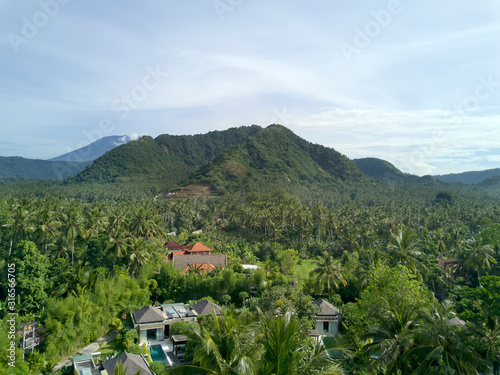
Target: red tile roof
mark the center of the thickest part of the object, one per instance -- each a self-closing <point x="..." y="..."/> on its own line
<point x="198" y="246"/>
<point x="200" y="267"/>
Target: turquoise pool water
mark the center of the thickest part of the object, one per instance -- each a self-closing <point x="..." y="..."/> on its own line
<point x="157" y="354"/>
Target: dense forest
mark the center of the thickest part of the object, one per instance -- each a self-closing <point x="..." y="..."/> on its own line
<point x="410" y="262"/>
<point x="402" y="273"/>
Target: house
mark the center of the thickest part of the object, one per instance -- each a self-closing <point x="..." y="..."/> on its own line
<point x="132" y="362"/>
<point x="85" y="365"/>
<point x="186" y="255"/>
<point x="172" y="245"/>
<point x="327" y="320"/>
<point x="206" y="307"/>
<point x="153" y="323"/>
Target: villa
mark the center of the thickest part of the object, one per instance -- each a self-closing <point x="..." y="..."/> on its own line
<point x="85" y="365"/>
<point x="153" y="323"/>
<point x="198" y="254"/>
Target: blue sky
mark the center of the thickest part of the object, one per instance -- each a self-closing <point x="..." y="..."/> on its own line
<point x="414" y="83"/>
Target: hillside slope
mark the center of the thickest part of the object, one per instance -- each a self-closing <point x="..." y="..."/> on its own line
<point x="18" y="167"/>
<point x="473" y="177"/>
<point x="275" y="155"/>
<point x="379" y="169"/>
<point x="168" y="159"/>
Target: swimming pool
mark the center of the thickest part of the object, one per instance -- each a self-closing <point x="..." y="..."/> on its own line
<point x="157" y="354"/>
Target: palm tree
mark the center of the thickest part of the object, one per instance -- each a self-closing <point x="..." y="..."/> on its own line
<point x="440" y="344"/>
<point x="402" y="246"/>
<point x="328" y="270"/>
<point x="487" y="334"/>
<point x="285" y="352"/>
<point x="138" y="255"/>
<point x="478" y="257"/>
<point x="72" y="226"/>
<point x="119" y="243"/>
<point x="228" y="346"/>
<point x="392" y="338"/>
<point x="46" y="223"/>
<point x="18" y="224"/>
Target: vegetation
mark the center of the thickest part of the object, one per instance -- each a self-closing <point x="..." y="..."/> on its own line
<point x="412" y="266"/>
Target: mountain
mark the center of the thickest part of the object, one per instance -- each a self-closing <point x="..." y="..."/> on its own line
<point x="167" y="158"/>
<point x="474" y="177"/>
<point x="18" y="167"/>
<point x="276" y="156"/>
<point x="379" y="169"/>
<point x="93" y="150"/>
<point x="235" y="158"/>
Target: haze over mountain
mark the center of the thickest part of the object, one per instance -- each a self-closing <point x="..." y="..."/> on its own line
<point x="18" y="167"/>
<point x="93" y="150"/>
<point x="61" y="166"/>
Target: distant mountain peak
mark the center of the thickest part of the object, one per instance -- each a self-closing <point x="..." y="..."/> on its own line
<point x="93" y="150"/>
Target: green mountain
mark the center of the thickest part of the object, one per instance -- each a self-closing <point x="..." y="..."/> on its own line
<point x="473" y="177"/>
<point x="235" y="159"/>
<point x="277" y="156"/>
<point x="18" y="167"/>
<point x="382" y="170"/>
<point x="168" y="159"/>
<point x="379" y="169"/>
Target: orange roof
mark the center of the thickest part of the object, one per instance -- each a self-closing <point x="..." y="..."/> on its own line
<point x="200" y="267"/>
<point x="198" y="246"/>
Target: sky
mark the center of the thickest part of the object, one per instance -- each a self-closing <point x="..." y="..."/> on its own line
<point x="416" y="83"/>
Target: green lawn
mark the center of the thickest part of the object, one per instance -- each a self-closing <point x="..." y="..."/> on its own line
<point x="111" y="347"/>
<point x="301" y="271"/>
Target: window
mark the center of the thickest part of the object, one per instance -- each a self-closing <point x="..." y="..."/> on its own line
<point x="325" y="326"/>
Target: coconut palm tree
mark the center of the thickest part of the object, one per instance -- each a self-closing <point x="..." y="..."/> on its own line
<point x="46" y="226"/>
<point x="72" y="226"/>
<point x="392" y="338"/>
<point x="440" y="344"/>
<point x="228" y="346"/>
<point x="119" y="243"/>
<point x="478" y="257"/>
<point x="18" y="224"/>
<point x="328" y="271"/>
<point x="286" y="351"/>
<point x="403" y="250"/>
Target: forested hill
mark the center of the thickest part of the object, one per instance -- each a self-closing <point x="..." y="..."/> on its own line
<point x="18" y="167"/>
<point x="276" y="155"/>
<point x="473" y="177"/>
<point x="234" y="158"/>
<point x="168" y="158"/>
<point x="379" y="169"/>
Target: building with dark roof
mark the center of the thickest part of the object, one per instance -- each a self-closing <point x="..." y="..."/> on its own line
<point x="327" y="320"/>
<point x="153" y="323"/>
<point x="206" y="307"/>
<point x="132" y="362"/>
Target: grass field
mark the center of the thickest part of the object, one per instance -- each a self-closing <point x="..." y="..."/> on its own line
<point x="301" y="271"/>
<point x="111" y="347"/>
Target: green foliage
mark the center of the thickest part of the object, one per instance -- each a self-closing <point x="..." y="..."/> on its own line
<point x="31" y="276"/>
<point x="76" y="321"/>
<point x="287" y="259"/>
<point x="388" y="289"/>
<point x="179" y="328"/>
